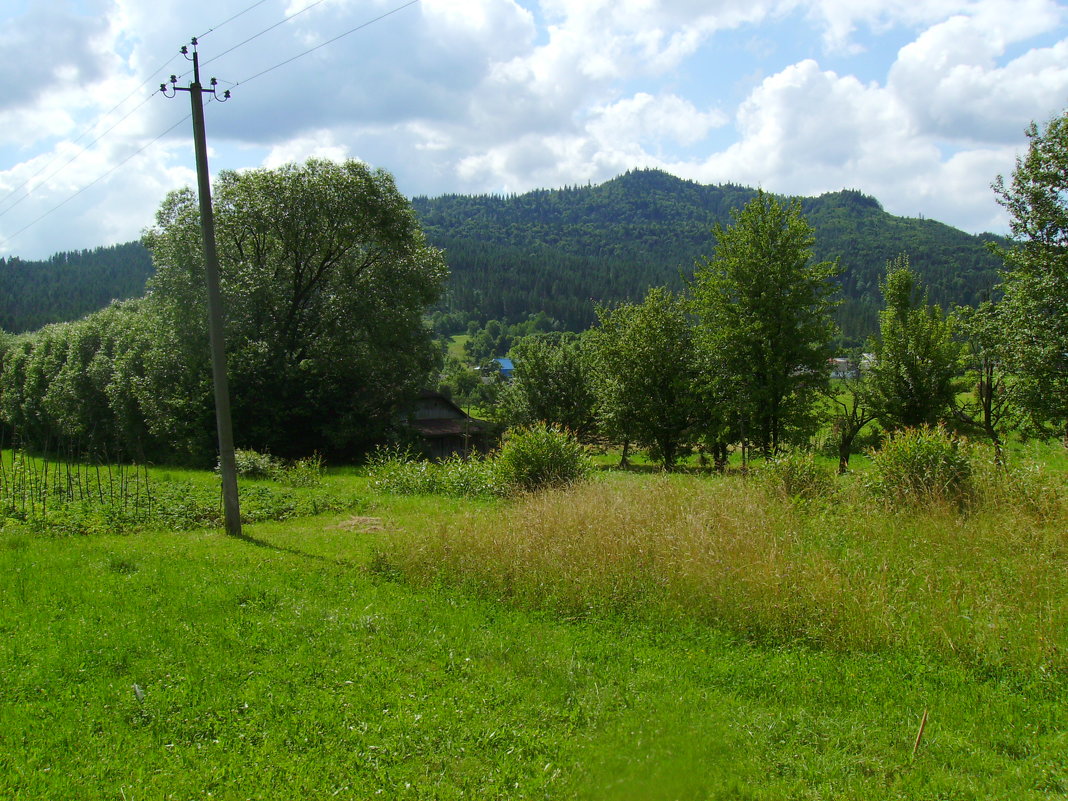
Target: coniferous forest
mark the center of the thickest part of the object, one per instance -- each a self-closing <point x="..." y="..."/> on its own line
<point x="70" y="285"/>
<point x="564" y="251"/>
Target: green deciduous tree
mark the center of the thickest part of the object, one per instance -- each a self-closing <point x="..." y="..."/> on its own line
<point x="992" y="408"/>
<point x="1036" y="280"/>
<point x="552" y="383"/>
<point x="910" y="381"/>
<point x="325" y="276"/>
<point x="765" y="321"/>
<point x="646" y="373"/>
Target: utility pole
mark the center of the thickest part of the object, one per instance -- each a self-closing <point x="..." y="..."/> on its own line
<point x="227" y="464"/>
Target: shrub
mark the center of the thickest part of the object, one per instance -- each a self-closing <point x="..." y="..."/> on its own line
<point x="797" y="475"/>
<point x="398" y="471"/>
<point x="922" y="465"/>
<point x="306" y="472"/>
<point x="253" y="464"/>
<point x="539" y="457"/>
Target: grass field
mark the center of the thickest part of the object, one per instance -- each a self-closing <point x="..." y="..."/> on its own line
<point x="456" y="346"/>
<point x="638" y="637"/>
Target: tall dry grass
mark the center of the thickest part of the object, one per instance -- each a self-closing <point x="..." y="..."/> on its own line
<point x="989" y="586"/>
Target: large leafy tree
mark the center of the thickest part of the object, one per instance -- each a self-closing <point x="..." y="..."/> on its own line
<point x="552" y="383"/>
<point x="910" y="381"/>
<point x="325" y="275"/>
<point x="1036" y="279"/>
<point x="646" y="371"/>
<point x="765" y="321"/>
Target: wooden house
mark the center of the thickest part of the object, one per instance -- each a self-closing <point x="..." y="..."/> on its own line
<point x="447" y="430"/>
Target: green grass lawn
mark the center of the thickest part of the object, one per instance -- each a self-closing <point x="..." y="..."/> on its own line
<point x="456" y="346"/>
<point x="297" y="663"/>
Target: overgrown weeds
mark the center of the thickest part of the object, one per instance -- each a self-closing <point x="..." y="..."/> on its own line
<point x="398" y="471"/>
<point x="798" y="475"/>
<point x="531" y="459"/>
<point x="988" y="588"/>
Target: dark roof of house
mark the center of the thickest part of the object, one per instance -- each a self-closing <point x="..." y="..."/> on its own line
<point x="437" y="397"/>
<point x="446" y="427"/>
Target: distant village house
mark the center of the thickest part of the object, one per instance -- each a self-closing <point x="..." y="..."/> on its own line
<point x="447" y="430"/>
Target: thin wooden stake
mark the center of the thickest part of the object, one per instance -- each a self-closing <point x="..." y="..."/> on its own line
<point x="919" y="734"/>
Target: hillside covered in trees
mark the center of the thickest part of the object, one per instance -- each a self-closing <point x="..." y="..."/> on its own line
<point x="70" y="285"/>
<point x="563" y="251"/>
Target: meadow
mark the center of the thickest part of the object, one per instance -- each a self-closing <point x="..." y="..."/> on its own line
<point x="633" y="636"/>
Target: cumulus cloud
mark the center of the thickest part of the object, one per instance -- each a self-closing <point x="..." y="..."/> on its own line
<point x="806" y="129"/>
<point x="645" y="118"/>
<point x="955" y="87"/>
<point x="841" y="19"/>
<point x="319" y="145"/>
<point x="509" y="95"/>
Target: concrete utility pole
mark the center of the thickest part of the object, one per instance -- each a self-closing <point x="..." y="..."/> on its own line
<point x="227" y="465"/>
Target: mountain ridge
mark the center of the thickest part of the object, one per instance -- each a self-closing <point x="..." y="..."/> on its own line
<point x="563" y="251"/>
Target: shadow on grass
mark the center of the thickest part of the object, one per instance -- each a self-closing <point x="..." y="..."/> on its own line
<point x="260" y="543"/>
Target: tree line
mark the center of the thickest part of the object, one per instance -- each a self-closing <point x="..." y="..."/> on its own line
<point x="70" y="285"/>
<point x="741" y="356"/>
<point x="325" y="276"/>
<point x="564" y="252"/>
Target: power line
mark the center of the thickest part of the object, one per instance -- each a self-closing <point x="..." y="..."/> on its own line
<point x="328" y="41"/>
<point x="231" y="19"/>
<point x="85" y="132"/>
<point x="98" y="179"/>
<point x="72" y="158"/>
<point x="294" y="15"/>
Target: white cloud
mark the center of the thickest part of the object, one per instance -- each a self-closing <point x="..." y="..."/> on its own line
<point x="952" y="82"/>
<point x="644" y="118"/>
<point x="1017" y="19"/>
<point x="486" y="95"/>
<point x="319" y="145"/>
<point x="116" y="207"/>
<point x="804" y="130"/>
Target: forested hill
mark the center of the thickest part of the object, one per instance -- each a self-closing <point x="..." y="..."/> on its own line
<point x="69" y="286"/>
<point x="563" y="251"/>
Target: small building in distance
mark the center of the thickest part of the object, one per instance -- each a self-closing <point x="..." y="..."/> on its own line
<point x="447" y="430"/>
<point x="506" y="367"/>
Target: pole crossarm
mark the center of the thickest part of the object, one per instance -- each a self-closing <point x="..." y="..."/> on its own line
<point x="175" y="88"/>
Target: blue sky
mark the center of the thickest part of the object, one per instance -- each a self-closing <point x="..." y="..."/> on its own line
<point x="920" y="104"/>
